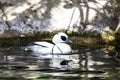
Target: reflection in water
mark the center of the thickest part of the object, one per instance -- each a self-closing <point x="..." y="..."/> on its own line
<point x="91" y="64"/>
<point x="61" y="61"/>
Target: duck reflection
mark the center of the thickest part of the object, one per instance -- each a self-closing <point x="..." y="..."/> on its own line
<point x="62" y="61"/>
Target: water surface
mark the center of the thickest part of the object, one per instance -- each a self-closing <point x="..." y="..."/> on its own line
<point x="98" y="63"/>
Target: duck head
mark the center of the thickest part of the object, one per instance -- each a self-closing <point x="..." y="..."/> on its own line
<point x="61" y="38"/>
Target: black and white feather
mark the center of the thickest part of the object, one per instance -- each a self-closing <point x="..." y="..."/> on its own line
<point x="58" y="45"/>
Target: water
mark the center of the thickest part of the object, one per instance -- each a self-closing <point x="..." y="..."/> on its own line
<point x="83" y="64"/>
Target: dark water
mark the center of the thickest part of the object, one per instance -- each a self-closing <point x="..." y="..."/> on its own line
<point x="82" y="64"/>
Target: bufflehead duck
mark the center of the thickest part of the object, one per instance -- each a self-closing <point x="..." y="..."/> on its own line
<point x="58" y="45"/>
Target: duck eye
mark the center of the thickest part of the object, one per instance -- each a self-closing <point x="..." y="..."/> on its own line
<point x="63" y="38"/>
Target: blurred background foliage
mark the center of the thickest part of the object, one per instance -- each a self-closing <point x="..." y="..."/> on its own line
<point x="31" y="17"/>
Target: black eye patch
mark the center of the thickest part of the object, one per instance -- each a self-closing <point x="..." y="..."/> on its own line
<point x="63" y="38"/>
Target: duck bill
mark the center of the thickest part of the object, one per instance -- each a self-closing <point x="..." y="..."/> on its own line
<point x="68" y="41"/>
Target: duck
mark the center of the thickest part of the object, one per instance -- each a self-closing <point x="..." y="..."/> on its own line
<point x="58" y="45"/>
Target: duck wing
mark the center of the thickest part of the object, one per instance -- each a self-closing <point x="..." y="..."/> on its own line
<point x="40" y="47"/>
<point x="42" y="43"/>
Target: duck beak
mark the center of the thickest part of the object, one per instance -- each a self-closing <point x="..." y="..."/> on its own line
<point x="68" y="41"/>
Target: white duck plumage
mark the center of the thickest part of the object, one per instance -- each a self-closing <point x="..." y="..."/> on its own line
<point x="58" y="45"/>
